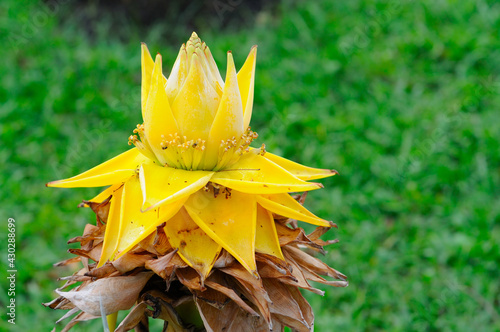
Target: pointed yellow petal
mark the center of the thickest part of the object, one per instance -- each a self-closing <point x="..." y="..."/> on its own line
<point x="246" y="80"/>
<point x="254" y="174"/>
<point x="195" y="106"/>
<point x="206" y="66"/>
<point x="228" y="221"/>
<point x="196" y="248"/>
<point x="228" y="122"/>
<point x="115" y="170"/>
<point x="213" y="66"/>
<point x="147" y="65"/>
<point x="161" y="185"/>
<point x="286" y="206"/>
<point x="266" y="237"/>
<point x="134" y="224"/>
<point x="111" y="235"/>
<point x="300" y="171"/>
<point x="158" y="119"/>
<point x="178" y="75"/>
<point x="146" y="224"/>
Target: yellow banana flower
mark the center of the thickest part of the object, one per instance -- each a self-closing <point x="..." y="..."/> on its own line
<point x="193" y="169"/>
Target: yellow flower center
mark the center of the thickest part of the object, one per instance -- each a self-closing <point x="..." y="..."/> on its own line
<point x="183" y="153"/>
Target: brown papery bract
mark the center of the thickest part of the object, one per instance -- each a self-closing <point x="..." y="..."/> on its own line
<point x="155" y="282"/>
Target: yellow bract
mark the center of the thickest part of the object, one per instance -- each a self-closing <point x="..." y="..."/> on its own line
<point x="229" y="221"/>
<point x="195" y="247"/>
<point x="192" y="168"/>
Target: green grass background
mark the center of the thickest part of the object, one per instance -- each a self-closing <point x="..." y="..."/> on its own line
<point x="402" y="98"/>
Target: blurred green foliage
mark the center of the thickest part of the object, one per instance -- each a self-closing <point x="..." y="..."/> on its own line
<point x="402" y="98"/>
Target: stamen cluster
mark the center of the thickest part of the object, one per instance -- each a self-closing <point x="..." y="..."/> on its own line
<point x="232" y="149"/>
<point x="183" y="153"/>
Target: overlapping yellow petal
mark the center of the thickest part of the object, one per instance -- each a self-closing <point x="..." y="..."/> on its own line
<point x="255" y="174"/>
<point x="177" y="75"/>
<point x="286" y="206"/>
<point x="147" y="65"/>
<point x="142" y="226"/>
<point x="134" y="224"/>
<point x="266" y="237"/>
<point x="158" y="119"/>
<point x="229" y="221"/>
<point x="112" y="228"/>
<point x="300" y="171"/>
<point x="163" y="185"/>
<point x="115" y="170"/>
<point x="213" y="68"/>
<point x="195" y="247"/>
<point x="246" y="81"/>
<point x="196" y="103"/>
<point x="228" y="122"/>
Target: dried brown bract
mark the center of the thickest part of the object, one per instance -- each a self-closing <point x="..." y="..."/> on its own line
<point x="154" y="282"/>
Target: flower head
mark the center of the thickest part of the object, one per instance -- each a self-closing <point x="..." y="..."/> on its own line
<point x="195" y="120"/>
<point x="192" y="172"/>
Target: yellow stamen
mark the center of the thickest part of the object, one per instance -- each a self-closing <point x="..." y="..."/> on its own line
<point x="181" y="152"/>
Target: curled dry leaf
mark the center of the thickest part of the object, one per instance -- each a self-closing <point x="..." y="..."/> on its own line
<point x="113" y="294"/>
<point x="134" y="318"/>
<point x="130" y="261"/>
<point x="101" y="209"/>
